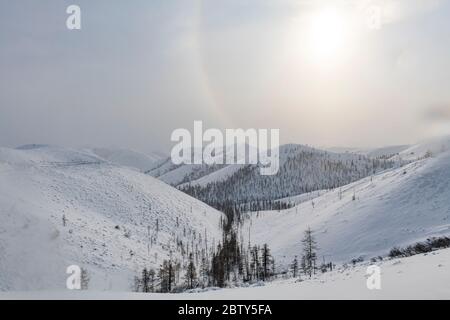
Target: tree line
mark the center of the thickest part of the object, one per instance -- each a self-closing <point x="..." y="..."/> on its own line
<point x="301" y="171"/>
<point x="233" y="261"/>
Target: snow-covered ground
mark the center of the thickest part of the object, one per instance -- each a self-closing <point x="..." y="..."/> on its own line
<point x="117" y="220"/>
<point x="61" y="206"/>
<point x="394" y="208"/>
<point x="430" y="146"/>
<point x="198" y="174"/>
<point x="425" y="276"/>
<point x="216" y="176"/>
<point x="418" y="277"/>
<point x="295" y="200"/>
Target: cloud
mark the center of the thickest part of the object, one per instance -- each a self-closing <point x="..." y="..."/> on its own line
<point x="438" y="113"/>
<point x="437" y="120"/>
<point x="376" y="13"/>
<point x="393" y="11"/>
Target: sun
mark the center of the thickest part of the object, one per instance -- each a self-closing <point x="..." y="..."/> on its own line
<point x="328" y="35"/>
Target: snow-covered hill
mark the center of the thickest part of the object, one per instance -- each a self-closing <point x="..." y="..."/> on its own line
<point x="128" y="158"/>
<point x="196" y="174"/>
<point x="381" y="152"/>
<point x="394" y="208"/>
<point x="302" y="169"/>
<point x="202" y="175"/>
<point x="62" y="206"/>
<point x="432" y="146"/>
<point x="425" y="276"/>
<point x="177" y="175"/>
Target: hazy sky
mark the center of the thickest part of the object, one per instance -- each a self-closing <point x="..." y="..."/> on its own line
<point x="327" y="73"/>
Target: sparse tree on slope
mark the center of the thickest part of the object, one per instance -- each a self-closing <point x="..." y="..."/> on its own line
<point x="294" y="267"/>
<point x="84" y="279"/>
<point x="166" y="276"/>
<point x="191" y="274"/>
<point x="309" y="253"/>
<point x="266" y="261"/>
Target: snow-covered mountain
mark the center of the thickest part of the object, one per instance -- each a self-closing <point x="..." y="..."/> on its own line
<point x="196" y="174"/>
<point x="62" y="206"/>
<point x="176" y="175"/>
<point x="381" y="152"/>
<point x="429" y="147"/>
<point x="128" y="158"/>
<point x="302" y="169"/>
<point x="365" y="218"/>
<point x="385" y="152"/>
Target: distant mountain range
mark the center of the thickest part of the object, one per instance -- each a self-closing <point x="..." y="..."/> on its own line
<point x="302" y="169"/>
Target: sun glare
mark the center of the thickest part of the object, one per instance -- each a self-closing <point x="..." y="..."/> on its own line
<point x="328" y="32"/>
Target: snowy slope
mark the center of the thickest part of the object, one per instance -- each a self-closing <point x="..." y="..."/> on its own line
<point x="111" y="214"/>
<point x="127" y="158"/>
<point x="187" y="175"/>
<point x="184" y="173"/>
<point x="196" y="174"/>
<point x="395" y="208"/>
<point x="425" y="276"/>
<point x="295" y="200"/>
<point x="162" y="167"/>
<point x="418" y="277"/>
<point x="432" y="146"/>
<point x="219" y="175"/>
<point x="302" y="169"/>
<point x="388" y="151"/>
<point x="385" y="151"/>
